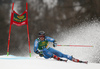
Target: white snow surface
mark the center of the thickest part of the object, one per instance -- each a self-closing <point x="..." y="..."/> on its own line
<point x="36" y="62"/>
<point x="86" y="34"/>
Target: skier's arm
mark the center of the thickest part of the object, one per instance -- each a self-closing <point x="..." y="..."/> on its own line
<point x="52" y="40"/>
<point x="36" y="47"/>
<point x="49" y="39"/>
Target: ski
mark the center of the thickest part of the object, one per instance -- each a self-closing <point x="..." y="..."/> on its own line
<point x="86" y="62"/>
<point x="63" y="60"/>
<point x="79" y="61"/>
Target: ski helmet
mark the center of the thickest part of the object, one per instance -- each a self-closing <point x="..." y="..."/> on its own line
<point x="41" y="34"/>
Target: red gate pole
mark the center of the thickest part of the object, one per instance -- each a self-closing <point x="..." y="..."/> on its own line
<point x="28" y="28"/>
<point x="10" y="29"/>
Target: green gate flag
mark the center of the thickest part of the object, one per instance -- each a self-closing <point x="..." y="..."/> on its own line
<point x="19" y="18"/>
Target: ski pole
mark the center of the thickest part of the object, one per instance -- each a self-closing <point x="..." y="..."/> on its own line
<point x="76" y="45"/>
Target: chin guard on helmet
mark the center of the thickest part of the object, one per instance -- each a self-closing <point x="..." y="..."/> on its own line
<point x="41" y="34"/>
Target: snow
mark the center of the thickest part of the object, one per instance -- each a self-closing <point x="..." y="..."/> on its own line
<point x="50" y="3"/>
<point x="87" y="33"/>
<point x="17" y="7"/>
<point x="77" y="6"/>
<point x="41" y="63"/>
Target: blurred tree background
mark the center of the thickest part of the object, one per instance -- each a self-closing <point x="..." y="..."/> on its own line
<point x="52" y="16"/>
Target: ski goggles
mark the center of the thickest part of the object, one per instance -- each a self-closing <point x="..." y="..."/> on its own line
<point x="41" y="36"/>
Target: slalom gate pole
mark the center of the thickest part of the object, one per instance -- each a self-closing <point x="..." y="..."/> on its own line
<point x="28" y="28"/>
<point x="10" y="29"/>
<point x="76" y="45"/>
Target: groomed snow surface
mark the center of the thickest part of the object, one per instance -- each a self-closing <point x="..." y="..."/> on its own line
<point x="13" y="62"/>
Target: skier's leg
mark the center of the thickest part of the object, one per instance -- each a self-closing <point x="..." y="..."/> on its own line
<point x="47" y="54"/>
<point x="74" y="59"/>
<point x="46" y="57"/>
<point x="59" y="54"/>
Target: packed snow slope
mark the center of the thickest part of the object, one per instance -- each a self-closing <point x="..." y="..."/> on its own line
<point x="13" y="62"/>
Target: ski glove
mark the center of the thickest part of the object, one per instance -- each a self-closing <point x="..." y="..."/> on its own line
<point x="37" y="52"/>
<point x="41" y="55"/>
<point x="54" y="44"/>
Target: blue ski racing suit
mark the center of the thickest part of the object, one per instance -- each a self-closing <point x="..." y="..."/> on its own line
<point x="48" y="52"/>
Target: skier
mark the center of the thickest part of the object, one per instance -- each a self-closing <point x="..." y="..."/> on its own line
<point x="41" y="47"/>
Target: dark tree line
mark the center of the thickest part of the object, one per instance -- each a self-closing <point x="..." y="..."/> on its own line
<point x="52" y="21"/>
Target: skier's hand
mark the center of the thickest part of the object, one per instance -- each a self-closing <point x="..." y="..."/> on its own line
<point x="37" y="52"/>
<point x="41" y="55"/>
<point x="54" y="44"/>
